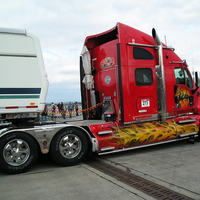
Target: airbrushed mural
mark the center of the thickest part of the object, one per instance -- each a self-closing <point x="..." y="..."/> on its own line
<point x="145" y="133"/>
<point x="182" y="96"/>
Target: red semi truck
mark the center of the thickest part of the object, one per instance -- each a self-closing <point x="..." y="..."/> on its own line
<point x="145" y="96"/>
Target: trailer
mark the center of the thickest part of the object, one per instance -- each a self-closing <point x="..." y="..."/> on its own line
<point x="145" y="95"/>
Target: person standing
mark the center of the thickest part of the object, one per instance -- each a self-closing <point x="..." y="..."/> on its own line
<point x="53" y="110"/>
<point x="70" y="109"/>
<point x="58" y="107"/>
<point x="76" y="108"/>
<point x="44" y="114"/>
<point x="62" y="110"/>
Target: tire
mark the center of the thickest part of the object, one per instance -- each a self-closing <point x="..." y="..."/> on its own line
<point x="198" y="136"/>
<point x="69" y="147"/>
<point x="18" y="152"/>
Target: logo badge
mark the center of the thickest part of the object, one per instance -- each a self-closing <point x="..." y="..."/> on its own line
<point x="107" y="79"/>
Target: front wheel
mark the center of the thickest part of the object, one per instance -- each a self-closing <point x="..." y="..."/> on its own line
<point x="18" y="152"/>
<point x="69" y="147"/>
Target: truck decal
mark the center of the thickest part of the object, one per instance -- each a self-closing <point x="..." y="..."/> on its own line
<point x="17" y="107"/>
<point x="148" y="132"/>
<point x="20" y="90"/>
<point x="107" y="62"/>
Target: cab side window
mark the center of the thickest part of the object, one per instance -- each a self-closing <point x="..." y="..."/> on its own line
<point x="143" y="77"/>
<point x="142" y="54"/>
<point x="183" y="77"/>
<point x="179" y="76"/>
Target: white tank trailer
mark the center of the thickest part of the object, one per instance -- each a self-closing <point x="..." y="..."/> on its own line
<point x="23" y="79"/>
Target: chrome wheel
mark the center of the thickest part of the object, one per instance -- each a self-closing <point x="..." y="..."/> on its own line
<point x="16" y="152"/>
<point x="70" y="146"/>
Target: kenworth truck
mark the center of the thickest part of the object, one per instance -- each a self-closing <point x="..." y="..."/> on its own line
<point x="144" y="92"/>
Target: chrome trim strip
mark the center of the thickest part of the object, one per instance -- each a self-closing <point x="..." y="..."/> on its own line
<point x="142" y="146"/>
<point x="142" y="45"/>
<point x="107" y="148"/>
<point x="187" y="134"/>
<point x="171" y="48"/>
<point x="186" y="121"/>
<point x="151" y="46"/>
<point x="176" y="62"/>
<point x="104" y="132"/>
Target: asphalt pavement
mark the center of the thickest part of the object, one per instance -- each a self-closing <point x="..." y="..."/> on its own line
<point x="174" y="165"/>
<point x="47" y="180"/>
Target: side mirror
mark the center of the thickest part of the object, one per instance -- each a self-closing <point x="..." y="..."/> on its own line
<point x="196" y="79"/>
<point x="196" y="83"/>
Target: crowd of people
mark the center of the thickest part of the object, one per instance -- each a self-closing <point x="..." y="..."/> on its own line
<point x="60" y="108"/>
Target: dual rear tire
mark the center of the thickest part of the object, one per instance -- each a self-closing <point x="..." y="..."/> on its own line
<point x="19" y="151"/>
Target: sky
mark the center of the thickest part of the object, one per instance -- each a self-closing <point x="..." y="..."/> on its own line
<point x="63" y="25"/>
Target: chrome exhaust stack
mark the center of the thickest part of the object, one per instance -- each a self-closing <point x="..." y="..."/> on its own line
<point x="160" y="77"/>
<point x="155" y="36"/>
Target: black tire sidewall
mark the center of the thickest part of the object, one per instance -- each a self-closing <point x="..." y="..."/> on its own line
<point x="30" y="161"/>
<point x="55" y="152"/>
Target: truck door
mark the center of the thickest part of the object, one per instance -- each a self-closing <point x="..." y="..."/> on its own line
<point x="184" y="100"/>
<point x="146" y="94"/>
<point x="142" y="75"/>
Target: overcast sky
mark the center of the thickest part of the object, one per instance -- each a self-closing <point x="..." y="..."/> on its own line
<point x="62" y="26"/>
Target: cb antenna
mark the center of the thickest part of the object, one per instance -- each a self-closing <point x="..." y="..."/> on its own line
<point x="165" y="40"/>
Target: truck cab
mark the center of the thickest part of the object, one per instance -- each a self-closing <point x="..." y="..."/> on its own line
<point x="143" y="77"/>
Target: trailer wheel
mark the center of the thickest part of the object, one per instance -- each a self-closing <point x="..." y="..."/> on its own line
<point x="18" y="152"/>
<point x="69" y="147"/>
